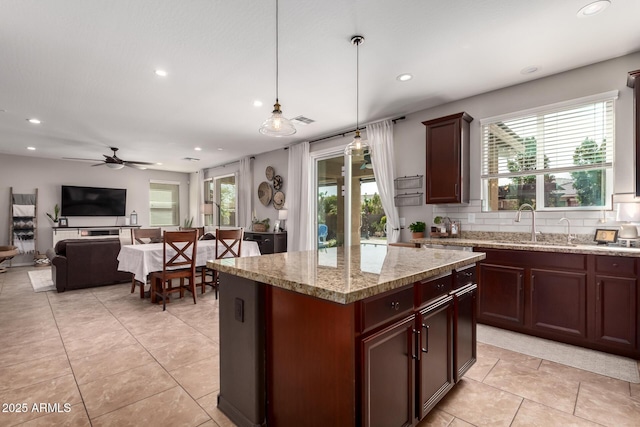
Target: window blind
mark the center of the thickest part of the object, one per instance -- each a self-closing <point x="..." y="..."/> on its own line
<point x="565" y="139"/>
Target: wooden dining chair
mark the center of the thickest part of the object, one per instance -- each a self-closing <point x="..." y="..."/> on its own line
<point x="141" y="236"/>
<point x="178" y="262"/>
<point x="228" y="245"/>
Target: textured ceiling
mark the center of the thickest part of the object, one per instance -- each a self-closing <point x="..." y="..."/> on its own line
<point x="85" y="68"/>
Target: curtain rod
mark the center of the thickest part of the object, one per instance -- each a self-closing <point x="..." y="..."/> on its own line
<point x="348" y="132"/>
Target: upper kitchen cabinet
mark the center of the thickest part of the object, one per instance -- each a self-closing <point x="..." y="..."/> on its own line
<point x="447" y="174"/>
<point x="631" y="82"/>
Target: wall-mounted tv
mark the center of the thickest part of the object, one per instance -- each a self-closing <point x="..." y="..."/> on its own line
<point x="93" y="201"/>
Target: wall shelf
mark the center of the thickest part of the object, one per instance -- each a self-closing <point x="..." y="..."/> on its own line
<point x="408" y="182"/>
<point x="408" y="199"/>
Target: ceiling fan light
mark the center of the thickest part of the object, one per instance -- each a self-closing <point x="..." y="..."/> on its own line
<point x="114" y="165"/>
<point x="277" y="125"/>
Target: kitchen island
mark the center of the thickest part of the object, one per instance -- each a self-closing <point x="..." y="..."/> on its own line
<point x="344" y="336"/>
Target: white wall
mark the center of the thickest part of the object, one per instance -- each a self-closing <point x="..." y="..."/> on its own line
<point x="25" y="174"/>
<point x="410" y="154"/>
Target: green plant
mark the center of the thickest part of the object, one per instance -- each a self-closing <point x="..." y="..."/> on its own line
<point x="188" y="222"/>
<point x="417" y="227"/>
<point x="437" y="220"/>
<point x="56" y="212"/>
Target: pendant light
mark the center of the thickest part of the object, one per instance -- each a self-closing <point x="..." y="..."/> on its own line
<point x="277" y="125"/>
<point x="358" y="147"/>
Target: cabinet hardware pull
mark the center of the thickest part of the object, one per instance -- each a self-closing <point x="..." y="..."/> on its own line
<point x="395" y="306"/>
<point x="413" y="344"/>
<point x="426" y="337"/>
<point x="533" y="283"/>
<point x="615" y="264"/>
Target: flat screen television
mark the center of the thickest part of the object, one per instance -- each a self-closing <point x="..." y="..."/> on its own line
<point x="93" y="201"/>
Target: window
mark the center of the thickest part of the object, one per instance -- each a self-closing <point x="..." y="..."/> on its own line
<point x="559" y="157"/>
<point x="223" y="191"/>
<point x="164" y="204"/>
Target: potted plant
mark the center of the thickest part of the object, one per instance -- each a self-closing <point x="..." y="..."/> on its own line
<point x="417" y="229"/>
<point x="56" y="212"/>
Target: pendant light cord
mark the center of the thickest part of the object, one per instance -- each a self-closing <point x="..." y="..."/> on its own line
<point x="277" y="68"/>
<point x="357" y="85"/>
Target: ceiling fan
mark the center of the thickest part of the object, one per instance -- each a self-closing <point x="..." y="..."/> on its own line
<point x="114" y="162"/>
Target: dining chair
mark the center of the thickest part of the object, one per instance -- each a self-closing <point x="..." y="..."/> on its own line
<point x="178" y="262"/>
<point x="141" y="236"/>
<point x="200" y="230"/>
<point x="228" y="245"/>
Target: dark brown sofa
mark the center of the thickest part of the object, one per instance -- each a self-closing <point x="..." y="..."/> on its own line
<point x="85" y="263"/>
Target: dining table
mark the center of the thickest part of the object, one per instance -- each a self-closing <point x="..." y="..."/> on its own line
<point x="141" y="260"/>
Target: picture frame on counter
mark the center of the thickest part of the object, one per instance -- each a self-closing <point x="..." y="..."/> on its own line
<point x="63" y="222"/>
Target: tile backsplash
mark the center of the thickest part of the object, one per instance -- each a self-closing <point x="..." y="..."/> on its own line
<point x="582" y="222"/>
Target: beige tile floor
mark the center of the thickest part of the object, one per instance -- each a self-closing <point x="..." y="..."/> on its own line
<point x="116" y="360"/>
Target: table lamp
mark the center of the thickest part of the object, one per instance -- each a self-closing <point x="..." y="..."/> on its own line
<point x="628" y="212"/>
<point x="282" y="217"/>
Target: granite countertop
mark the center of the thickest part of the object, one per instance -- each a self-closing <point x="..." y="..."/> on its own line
<point x="346" y="275"/>
<point x="515" y="241"/>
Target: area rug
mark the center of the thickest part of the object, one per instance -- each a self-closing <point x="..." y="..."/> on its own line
<point x="598" y="362"/>
<point x="41" y="280"/>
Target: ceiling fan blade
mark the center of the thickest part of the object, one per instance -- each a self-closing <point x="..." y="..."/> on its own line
<point x="98" y="164"/>
<point x="138" y="163"/>
<point x="135" y="165"/>
<point x="87" y="160"/>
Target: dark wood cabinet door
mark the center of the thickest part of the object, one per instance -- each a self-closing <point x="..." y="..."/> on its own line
<point x="616" y="310"/>
<point x="435" y="355"/>
<point x="501" y="295"/>
<point x="388" y="376"/>
<point x="464" y="330"/>
<point x="559" y="302"/>
<point x="447" y="140"/>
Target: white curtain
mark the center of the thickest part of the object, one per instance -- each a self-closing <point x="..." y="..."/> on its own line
<point x="298" y="200"/>
<point x="380" y="136"/>
<point x="245" y="184"/>
<point x="200" y="199"/>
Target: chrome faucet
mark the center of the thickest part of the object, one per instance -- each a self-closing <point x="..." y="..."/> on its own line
<point x="569" y="235"/>
<point x="533" y="218"/>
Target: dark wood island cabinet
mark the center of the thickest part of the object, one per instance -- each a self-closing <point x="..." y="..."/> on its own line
<point x="376" y="349"/>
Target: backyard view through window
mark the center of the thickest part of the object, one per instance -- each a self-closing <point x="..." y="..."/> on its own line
<point x="223" y="191"/>
<point x="561" y="158"/>
<point x="164" y="204"/>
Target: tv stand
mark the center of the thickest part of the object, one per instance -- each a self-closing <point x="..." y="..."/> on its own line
<point x="122" y="232"/>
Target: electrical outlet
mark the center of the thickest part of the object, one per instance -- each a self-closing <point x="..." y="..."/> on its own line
<point x="239" y="310"/>
<point x="471" y="218"/>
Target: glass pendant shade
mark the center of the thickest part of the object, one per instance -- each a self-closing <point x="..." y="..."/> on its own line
<point x="277" y="125"/>
<point x="358" y="147"/>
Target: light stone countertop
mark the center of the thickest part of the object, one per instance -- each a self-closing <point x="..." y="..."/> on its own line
<point x="518" y="244"/>
<point x="346" y="275"/>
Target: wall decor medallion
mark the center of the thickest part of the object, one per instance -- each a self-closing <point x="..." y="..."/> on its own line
<point x="269" y="172"/>
<point x="277" y="182"/>
<point x="264" y="193"/>
<point x="278" y="200"/>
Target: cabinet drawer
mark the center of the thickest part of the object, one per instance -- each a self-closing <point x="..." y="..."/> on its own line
<point x="464" y="277"/>
<point x="384" y="308"/>
<point x="616" y="265"/>
<point x="430" y="289"/>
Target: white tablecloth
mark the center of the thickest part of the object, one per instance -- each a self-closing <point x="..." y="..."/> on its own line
<point x="144" y="259"/>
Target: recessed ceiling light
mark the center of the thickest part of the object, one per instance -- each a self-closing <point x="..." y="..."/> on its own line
<point x="31" y="148"/>
<point x="593" y="8"/>
<point x="404" y="77"/>
<point x="529" y="70"/>
<point x="161" y="73"/>
<point x="34" y="121"/>
<point x="220" y="149"/>
<point x="257" y="103"/>
<point x="198" y="149"/>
